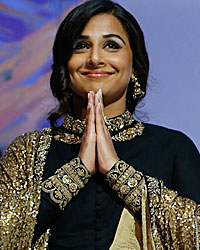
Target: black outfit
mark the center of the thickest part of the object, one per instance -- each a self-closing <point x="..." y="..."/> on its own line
<point x="90" y="220"/>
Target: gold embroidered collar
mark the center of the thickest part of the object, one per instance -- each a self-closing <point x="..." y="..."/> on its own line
<point x="122" y="128"/>
<point x="114" y="124"/>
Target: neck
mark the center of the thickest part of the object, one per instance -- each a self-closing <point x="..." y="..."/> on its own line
<point x="114" y="109"/>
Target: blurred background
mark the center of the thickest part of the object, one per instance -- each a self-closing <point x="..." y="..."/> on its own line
<point x="27" y="31"/>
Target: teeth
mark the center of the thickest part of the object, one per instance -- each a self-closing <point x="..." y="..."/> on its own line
<point x="96" y="74"/>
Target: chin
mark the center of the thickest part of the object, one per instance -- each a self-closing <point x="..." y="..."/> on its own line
<point x="95" y="89"/>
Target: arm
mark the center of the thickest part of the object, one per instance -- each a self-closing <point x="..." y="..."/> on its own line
<point x="71" y="177"/>
<point x="175" y="221"/>
<point x="66" y="182"/>
<point x="57" y="191"/>
<point x="18" y="195"/>
<point x="20" y="176"/>
<point x="186" y="173"/>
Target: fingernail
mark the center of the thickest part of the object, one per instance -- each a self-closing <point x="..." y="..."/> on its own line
<point x="99" y="94"/>
<point x="89" y="95"/>
<point x="99" y="106"/>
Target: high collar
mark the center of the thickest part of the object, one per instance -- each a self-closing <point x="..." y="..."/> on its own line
<point x="117" y="123"/>
<point x="121" y="128"/>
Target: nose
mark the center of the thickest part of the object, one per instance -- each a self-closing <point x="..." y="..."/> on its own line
<point x="95" y="58"/>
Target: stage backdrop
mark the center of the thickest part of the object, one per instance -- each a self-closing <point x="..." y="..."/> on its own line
<point x="27" y="30"/>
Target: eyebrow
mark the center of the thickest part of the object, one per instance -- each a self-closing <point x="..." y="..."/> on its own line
<point x="114" y="35"/>
<point x="104" y="36"/>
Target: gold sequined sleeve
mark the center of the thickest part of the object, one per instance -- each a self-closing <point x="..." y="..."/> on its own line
<point x="66" y="182"/>
<point x="174" y="220"/>
<point x="18" y="194"/>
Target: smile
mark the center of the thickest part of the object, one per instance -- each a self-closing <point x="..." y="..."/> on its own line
<point x="93" y="74"/>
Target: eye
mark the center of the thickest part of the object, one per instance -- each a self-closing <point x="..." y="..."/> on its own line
<point x="81" y="46"/>
<point x="111" y="45"/>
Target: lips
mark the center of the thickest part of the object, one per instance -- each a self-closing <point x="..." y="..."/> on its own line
<point x="97" y="74"/>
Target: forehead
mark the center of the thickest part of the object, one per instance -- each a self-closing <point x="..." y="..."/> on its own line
<point x="104" y="24"/>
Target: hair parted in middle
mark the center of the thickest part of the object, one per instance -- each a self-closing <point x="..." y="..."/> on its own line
<point x="66" y="38"/>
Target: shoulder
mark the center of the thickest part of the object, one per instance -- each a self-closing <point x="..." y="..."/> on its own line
<point x="17" y="164"/>
<point x="21" y="154"/>
<point x="157" y="130"/>
<point x="27" y="142"/>
<point x="33" y="136"/>
<point x="171" y="136"/>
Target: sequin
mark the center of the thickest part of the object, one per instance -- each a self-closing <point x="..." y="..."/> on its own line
<point x="21" y="170"/>
<point x="174" y="221"/>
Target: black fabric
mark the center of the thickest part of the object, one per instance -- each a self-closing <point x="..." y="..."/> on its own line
<point x="90" y="220"/>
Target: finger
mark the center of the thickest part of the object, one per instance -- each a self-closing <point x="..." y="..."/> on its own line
<point x="100" y="99"/>
<point x="89" y="123"/>
<point x="91" y="97"/>
<point x="87" y="151"/>
<point x="90" y="117"/>
<point x="100" y="124"/>
<point x="87" y="110"/>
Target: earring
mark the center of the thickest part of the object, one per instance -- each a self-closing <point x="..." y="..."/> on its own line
<point x="137" y="92"/>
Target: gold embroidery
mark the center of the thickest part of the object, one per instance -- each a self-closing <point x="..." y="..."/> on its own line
<point x="41" y="154"/>
<point x="123" y="124"/>
<point x="198" y="226"/>
<point x="128" y="182"/>
<point x="175" y="221"/>
<point x="154" y="193"/>
<point x="119" y="122"/>
<point x="66" y="182"/>
<point x="68" y="138"/>
<point x="20" y="177"/>
<point x="42" y="242"/>
<point x="130" y="133"/>
<point x="76" y="126"/>
<point x="172" y="218"/>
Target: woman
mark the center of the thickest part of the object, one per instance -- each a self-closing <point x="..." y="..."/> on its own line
<point x="85" y="184"/>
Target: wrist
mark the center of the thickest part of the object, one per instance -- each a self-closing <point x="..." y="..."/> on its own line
<point x="89" y="164"/>
<point x="107" y="167"/>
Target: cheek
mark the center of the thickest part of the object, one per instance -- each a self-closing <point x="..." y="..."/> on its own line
<point x="71" y="65"/>
<point x="70" y="69"/>
<point x="74" y="64"/>
<point x="126" y="61"/>
<point x="122" y="62"/>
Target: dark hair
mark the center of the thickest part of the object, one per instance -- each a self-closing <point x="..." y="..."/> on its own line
<point x="67" y="35"/>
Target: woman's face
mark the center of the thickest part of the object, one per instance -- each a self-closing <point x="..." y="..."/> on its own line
<point x="102" y="58"/>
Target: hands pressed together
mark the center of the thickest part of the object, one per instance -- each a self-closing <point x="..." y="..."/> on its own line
<point x="97" y="151"/>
